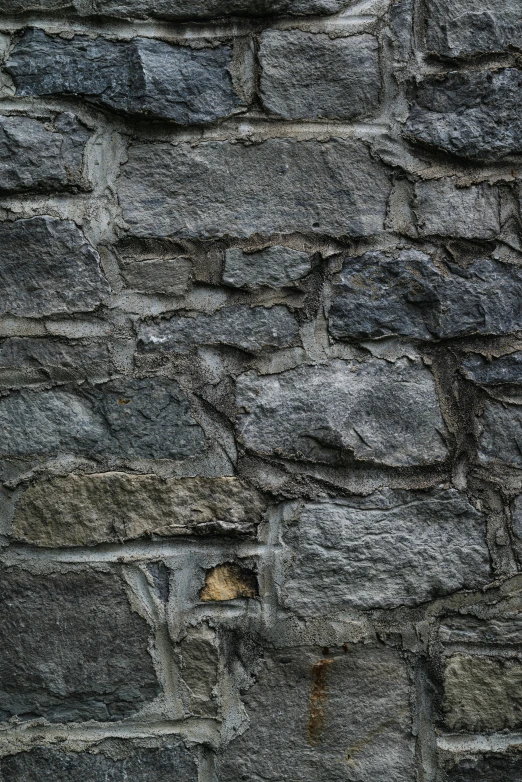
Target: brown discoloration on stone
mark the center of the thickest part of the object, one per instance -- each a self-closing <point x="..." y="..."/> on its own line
<point x="228" y="582"/>
<point x="317" y="721"/>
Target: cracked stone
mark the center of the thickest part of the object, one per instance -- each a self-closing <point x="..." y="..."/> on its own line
<point x="228" y="582"/>
<point x="273" y="267"/>
<point x="456" y="28"/>
<point x="501" y="437"/>
<point x="443" y="209"/>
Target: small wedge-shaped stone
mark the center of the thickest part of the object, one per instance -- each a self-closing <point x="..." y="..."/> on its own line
<point x="142" y="76"/>
<point x="456" y="28"/>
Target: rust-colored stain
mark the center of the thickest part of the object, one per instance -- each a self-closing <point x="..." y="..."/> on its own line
<point x="123" y="401"/>
<point x="318" y="696"/>
<point x="228" y="582"/>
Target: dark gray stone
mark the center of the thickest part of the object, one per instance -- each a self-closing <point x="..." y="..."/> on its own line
<point x="490" y="767"/>
<point x="309" y="76"/>
<point x="38" y="155"/>
<point x="206" y="9"/>
<point x="273" y="267"/>
<point x="158" y="275"/>
<point x="376" y="411"/>
<point x="149" y="419"/>
<point x="475" y="115"/>
<point x="71" y="649"/>
<point x="389" y="549"/>
<point x="443" y="209"/>
<point x="141" y="76"/>
<point x="486" y="630"/>
<point x="501" y="438"/>
<point x="343" y="718"/>
<point x="48" y="267"/>
<point x="497" y="371"/>
<point x="248" y="328"/>
<point x="49" y="764"/>
<point x="380" y="295"/>
<point x="277" y="186"/>
<point x="456" y="28"/>
<point x="21" y="6"/>
<point x="25" y="360"/>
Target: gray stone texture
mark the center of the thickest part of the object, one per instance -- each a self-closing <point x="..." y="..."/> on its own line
<point x="475" y="115"/>
<point x="26" y="360"/>
<point x="340" y="718"/>
<point x="141" y="76"/>
<point x="376" y="411"/>
<point x="48" y="764"/>
<point x="489" y="767"/>
<point x="458" y="28"/>
<point x="496" y="371"/>
<point x="206" y="9"/>
<point x="408" y="294"/>
<point x="48" y="267"/>
<point x="501" y="433"/>
<point x="41" y="156"/>
<point x="441" y="208"/>
<point x="84" y="510"/>
<point x="248" y="328"/>
<point x="273" y="267"/>
<point x="165" y="276"/>
<point x="306" y="75"/>
<point x="149" y="419"/>
<point x="389" y="549"/>
<point x="71" y="649"/>
<point x="24" y="6"/>
<point x="277" y="186"/>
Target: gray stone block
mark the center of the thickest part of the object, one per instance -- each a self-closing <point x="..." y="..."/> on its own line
<point x="277" y="186"/>
<point x="475" y="115"/>
<point x="343" y="718"/>
<point x="24" y="6"/>
<point x="47" y="267"/>
<point x="165" y="276"/>
<point x="310" y="76"/>
<point x="141" y="76"/>
<point x="26" y="360"/>
<point x="248" y="328"/>
<point x="71" y="649"/>
<point x="489" y="767"/>
<point x="443" y="209"/>
<point x="501" y="438"/>
<point x="273" y="267"/>
<point x="389" y="549"/>
<point x="381" y="295"/>
<point x="497" y="371"/>
<point x="376" y="411"/>
<point x="206" y="9"/>
<point x="457" y="28"/>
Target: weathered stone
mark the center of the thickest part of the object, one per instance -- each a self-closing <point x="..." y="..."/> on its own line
<point x="473" y="114"/>
<point x="377" y="411"/>
<point x="48" y="267"/>
<point x="457" y="28"/>
<point x="205" y="9"/>
<point x="443" y="209"/>
<point x="340" y="718"/>
<point x="381" y="295"/>
<point x="501" y="438"/>
<point x="489" y="767"/>
<point x="228" y="581"/>
<point x="311" y="76"/>
<point x="505" y="369"/>
<point x="26" y="360"/>
<point x="21" y="6"/>
<point x="277" y="186"/>
<point x="389" y="549"/>
<point x="71" y="649"/>
<point x="482" y="693"/>
<point x="149" y="419"/>
<point x="141" y="76"/>
<point x="248" y="328"/>
<point x="167" y="276"/>
<point x="484" y="630"/>
<point x="50" y="764"/>
<point x="80" y="510"/>
<point x="200" y="671"/>
<point x="274" y="267"/>
<point x="38" y="155"/>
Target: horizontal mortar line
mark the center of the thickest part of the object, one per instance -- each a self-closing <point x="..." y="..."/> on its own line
<point x="493" y="742"/>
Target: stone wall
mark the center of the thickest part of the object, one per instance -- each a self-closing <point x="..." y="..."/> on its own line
<point x="261" y="391"/>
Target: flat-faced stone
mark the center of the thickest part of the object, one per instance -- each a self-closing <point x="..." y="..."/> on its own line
<point x="442" y="209"/>
<point x="276" y="186"/>
<point x="389" y="549"/>
<point x="21" y="6"/>
<point x="482" y="693"/>
<point x="82" y="510"/>
<point x="498" y="630"/>
<point x="48" y="267"/>
<point x="149" y="419"/>
<point x="501" y="437"/>
<point x="310" y="76"/>
<point x="504" y="369"/>
<point x="273" y="267"/>
<point x="71" y="648"/>
<point x="376" y="411"/>
<point x="489" y="767"/>
<point x="456" y="28"/>
<point x="206" y="9"/>
<point x="26" y="360"/>
<point x="158" y="275"/>
<point x="343" y="718"/>
<point x="141" y="76"/>
<point x="248" y="328"/>
<point x="200" y="671"/>
<point x="473" y="114"/>
<point x="409" y="295"/>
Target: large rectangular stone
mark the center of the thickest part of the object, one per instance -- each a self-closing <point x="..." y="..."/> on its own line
<point x="501" y="433"/>
<point x="206" y="9"/>
<point x="443" y="209"/>
<point x="276" y="186"/>
<point x="389" y="549"/>
<point x="456" y="28"/>
<point x="26" y="360"/>
<point x="374" y="411"/>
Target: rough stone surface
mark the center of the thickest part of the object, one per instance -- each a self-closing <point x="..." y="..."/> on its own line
<point x="501" y="433"/>
<point x="389" y="549"/>
<point x="205" y="9"/>
<point x="126" y="419"/>
<point x="71" y="648"/>
<point x="474" y="115"/>
<point x="47" y="267"/>
<point x="380" y="295"/>
<point x="482" y="693"/>
<point x="443" y="209"/>
<point x="311" y="76"/>
<point x="219" y="188"/>
<point x="497" y="371"/>
<point x="21" y="6"/>
<point x="490" y="767"/>
<point x="456" y="28"/>
<point x="26" y="360"/>
<point x="379" y="412"/>
<point x="160" y="275"/>
<point x="142" y="76"/>
<point x="244" y="327"/>
<point x="115" y="506"/>
<point x="274" y="267"/>
<point x="228" y="581"/>
<point x="334" y="718"/>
